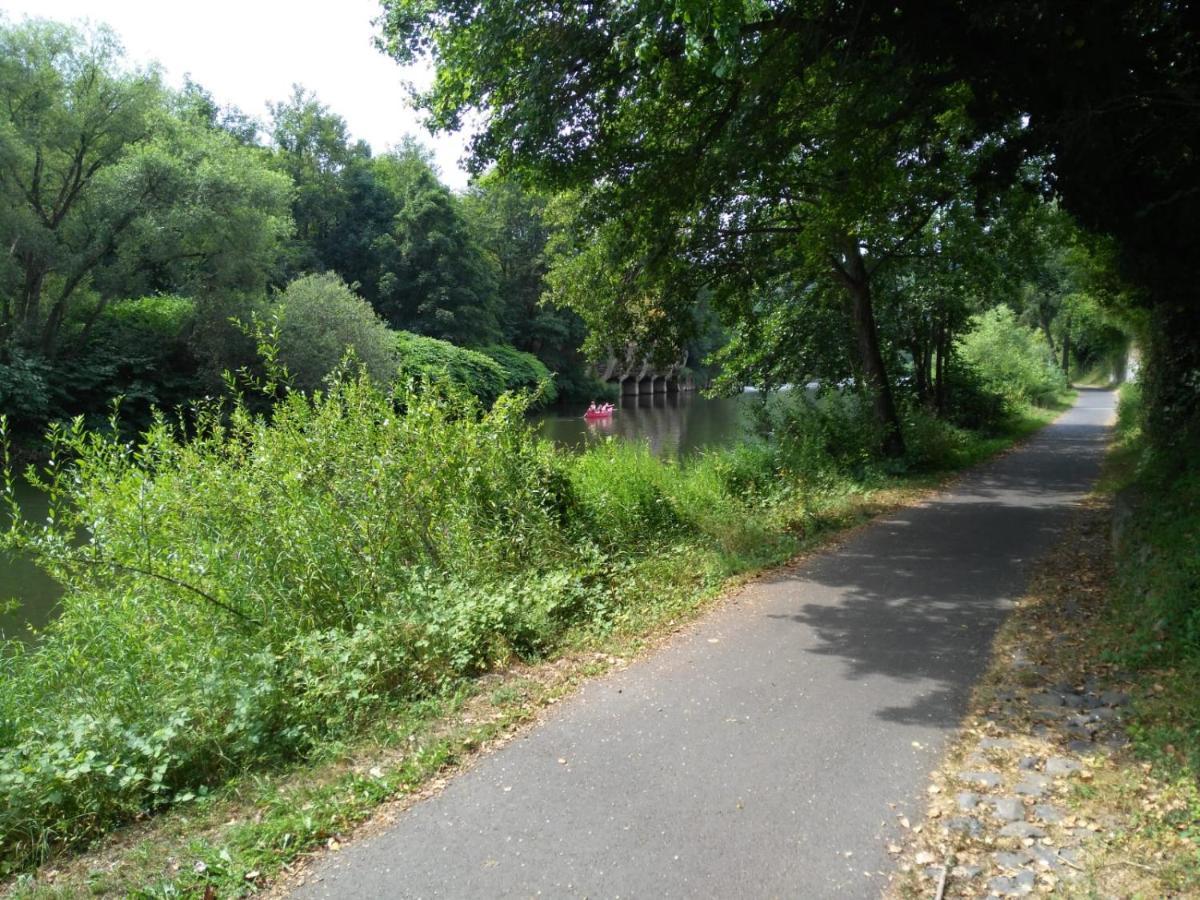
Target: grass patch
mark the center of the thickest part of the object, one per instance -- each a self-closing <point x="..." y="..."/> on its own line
<point x="1152" y="630"/>
<point x="287" y="623"/>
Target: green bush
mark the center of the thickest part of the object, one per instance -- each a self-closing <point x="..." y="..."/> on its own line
<point x="623" y="494"/>
<point x="819" y="437"/>
<point x="969" y="402"/>
<point x="442" y="363"/>
<point x="243" y="585"/>
<point x="1011" y="359"/>
<point x="320" y="319"/>
<point x="1161" y="565"/>
<point x="25" y="389"/>
<point x="140" y="350"/>
<point x="1130" y="413"/>
<point x="524" y="372"/>
<point x="1155" y="606"/>
<point x="933" y="443"/>
<point x="142" y="353"/>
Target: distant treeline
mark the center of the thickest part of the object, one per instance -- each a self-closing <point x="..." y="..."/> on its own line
<point x="142" y="224"/>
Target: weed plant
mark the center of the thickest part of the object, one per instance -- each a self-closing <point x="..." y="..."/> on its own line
<point x="1157" y="596"/>
<point x="247" y="590"/>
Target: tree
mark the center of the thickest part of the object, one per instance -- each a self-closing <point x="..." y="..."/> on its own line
<point x="646" y="110"/>
<point x="514" y="227"/>
<point x="197" y="104"/>
<point x="105" y="193"/>
<point x="319" y="320"/>
<point x="433" y="278"/>
<point x="510" y="225"/>
<point x="1108" y="92"/>
<point x="312" y="146"/>
<point x="71" y="115"/>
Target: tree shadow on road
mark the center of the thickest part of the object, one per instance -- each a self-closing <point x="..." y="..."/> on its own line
<point x="920" y="594"/>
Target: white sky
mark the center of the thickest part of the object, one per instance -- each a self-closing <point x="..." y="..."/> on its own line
<point x="250" y="52"/>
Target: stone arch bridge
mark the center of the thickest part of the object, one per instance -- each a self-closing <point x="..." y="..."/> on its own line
<point x="634" y="374"/>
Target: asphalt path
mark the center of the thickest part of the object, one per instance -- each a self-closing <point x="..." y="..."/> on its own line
<point x="769" y="750"/>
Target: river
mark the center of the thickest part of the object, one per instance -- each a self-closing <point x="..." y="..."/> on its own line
<point x="674" y="425"/>
<point x="22" y="581"/>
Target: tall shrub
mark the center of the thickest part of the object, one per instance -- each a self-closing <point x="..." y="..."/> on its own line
<point x="1011" y="359"/>
<point x="440" y="362"/>
<point x="524" y="372"/>
<point x="248" y="585"/>
<point x="320" y="319"/>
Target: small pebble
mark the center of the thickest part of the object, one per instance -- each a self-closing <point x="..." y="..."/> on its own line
<point x="995" y="744"/>
<point x="964" y="825"/>
<point x="1033" y="785"/>
<point x="984" y="779"/>
<point x="1010" y="809"/>
<point x="966" y="800"/>
<point x="1047" y="813"/>
<point x="1060" y="765"/>
<point x="1046" y="701"/>
<point x="1025" y="880"/>
<point x="1022" y="830"/>
<point x="1014" y="860"/>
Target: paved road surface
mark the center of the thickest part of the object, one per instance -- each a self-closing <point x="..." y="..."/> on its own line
<point x="759" y="754"/>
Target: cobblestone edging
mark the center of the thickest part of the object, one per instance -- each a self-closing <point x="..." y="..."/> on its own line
<point x="1000" y="822"/>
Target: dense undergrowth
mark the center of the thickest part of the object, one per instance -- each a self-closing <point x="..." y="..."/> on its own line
<point x="1156" y="605"/>
<point x="252" y="589"/>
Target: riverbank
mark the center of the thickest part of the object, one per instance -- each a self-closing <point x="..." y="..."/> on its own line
<point x="662" y="539"/>
<point x="672" y="426"/>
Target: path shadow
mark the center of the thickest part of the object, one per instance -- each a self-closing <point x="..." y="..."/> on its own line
<point x="920" y="594"/>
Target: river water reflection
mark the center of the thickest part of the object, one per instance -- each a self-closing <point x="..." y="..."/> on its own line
<point x="35" y="592"/>
<point x="674" y="425"/>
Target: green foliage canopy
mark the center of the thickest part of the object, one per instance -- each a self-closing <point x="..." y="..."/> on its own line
<point x="105" y="193"/>
<point x="645" y="111"/>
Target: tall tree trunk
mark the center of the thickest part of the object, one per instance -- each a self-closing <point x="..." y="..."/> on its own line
<point x="920" y="353"/>
<point x="1044" y="320"/>
<point x="852" y="272"/>
<point x="1066" y="356"/>
<point x="29" y="307"/>
<point x="943" y="350"/>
